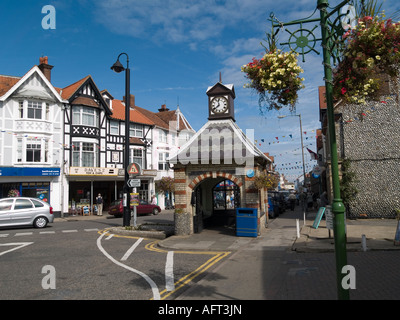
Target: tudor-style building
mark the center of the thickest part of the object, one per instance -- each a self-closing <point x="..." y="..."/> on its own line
<point x="32" y="136"/>
<point x="86" y="124"/>
<point x="66" y="144"/>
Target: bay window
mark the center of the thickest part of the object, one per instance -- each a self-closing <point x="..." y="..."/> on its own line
<point x="85" y="116"/>
<point x="33" y="150"/>
<point x="38" y="110"/>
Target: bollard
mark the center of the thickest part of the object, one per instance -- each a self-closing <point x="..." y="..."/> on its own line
<point x="298" y="228"/>
<point x="364" y="243"/>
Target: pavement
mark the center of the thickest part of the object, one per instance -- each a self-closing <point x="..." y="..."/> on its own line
<point x="379" y="236"/>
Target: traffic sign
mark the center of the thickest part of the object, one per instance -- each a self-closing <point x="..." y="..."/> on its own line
<point x="134" y="169"/>
<point x="133" y="183"/>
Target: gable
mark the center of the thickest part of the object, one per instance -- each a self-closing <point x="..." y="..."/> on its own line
<point x="34" y="87"/>
<point x="85" y="92"/>
<point x="33" y="84"/>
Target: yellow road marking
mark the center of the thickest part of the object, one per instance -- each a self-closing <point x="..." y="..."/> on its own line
<point x="151" y="246"/>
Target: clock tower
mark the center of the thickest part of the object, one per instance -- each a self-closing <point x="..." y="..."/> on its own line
<point x="220" y="101"/>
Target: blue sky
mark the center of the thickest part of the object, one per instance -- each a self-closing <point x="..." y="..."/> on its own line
<point x="177" y="49"/>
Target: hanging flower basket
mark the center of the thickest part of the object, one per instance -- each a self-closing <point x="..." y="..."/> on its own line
<point x="371" y="48"/>
<point x="13" y="193"/>
<point x="276" y="78"/>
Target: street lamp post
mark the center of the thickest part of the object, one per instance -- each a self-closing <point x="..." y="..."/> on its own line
<point x="303" y="41"/>
<point x="118" y="67"/>
<point x="302" y="145"/>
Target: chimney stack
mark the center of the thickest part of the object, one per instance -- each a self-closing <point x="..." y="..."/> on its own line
<point x="45" y="67"/>
<point x="131" y="101"/>
<point x="163" y="108"/>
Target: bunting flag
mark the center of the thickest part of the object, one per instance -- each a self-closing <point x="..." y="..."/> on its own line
<point x="313" y="155"/>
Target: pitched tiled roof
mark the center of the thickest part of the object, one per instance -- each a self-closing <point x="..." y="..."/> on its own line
<point x="6" y="83"/>
<point x="68" y="91"/>
<point x="118" y="112"/>
<point x="157" y="121"/>
<point x="177" y="116"/>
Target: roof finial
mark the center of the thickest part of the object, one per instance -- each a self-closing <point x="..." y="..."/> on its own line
<point x="220" y="77"/>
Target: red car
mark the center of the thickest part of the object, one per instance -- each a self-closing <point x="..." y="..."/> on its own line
<point x="116" y="208"/>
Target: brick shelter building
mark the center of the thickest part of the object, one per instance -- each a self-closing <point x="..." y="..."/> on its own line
<point x="215" y="170"/>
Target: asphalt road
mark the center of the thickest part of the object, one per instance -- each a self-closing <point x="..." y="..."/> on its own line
<point x="75" y="260"/>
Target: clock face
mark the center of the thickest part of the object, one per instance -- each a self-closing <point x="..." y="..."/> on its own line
<point x="219" y="105"/>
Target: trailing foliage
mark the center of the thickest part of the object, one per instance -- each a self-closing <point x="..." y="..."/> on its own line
<point x="165" y="184"/>
<point x="265" y="180"/>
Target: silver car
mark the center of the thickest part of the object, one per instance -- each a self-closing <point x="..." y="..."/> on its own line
<point x="20" y="211"/>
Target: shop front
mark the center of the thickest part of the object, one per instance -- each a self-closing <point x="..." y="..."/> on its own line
<point x="41" y="183"/>
<point x="85" y="183"/>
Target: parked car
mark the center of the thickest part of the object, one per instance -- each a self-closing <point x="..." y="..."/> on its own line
<point x="116" y="208"/>
<point x="20" y="211"/>
<point x="278" y="203"/>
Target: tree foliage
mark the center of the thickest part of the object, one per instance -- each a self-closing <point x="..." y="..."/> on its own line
<point x="165" y="184"/>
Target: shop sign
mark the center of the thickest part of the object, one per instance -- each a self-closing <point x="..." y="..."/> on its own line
<point x="92" y="171"/>
<point x="19" y="171"/>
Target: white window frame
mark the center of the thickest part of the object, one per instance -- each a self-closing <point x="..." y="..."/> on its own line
<point x="26" y="145"/>
<point x="136" y="130"/>
<point x="91" y="116"/>
<point x="162" y="136"/>
<point x="80" y="150"/>
<point x="114" y="127"/>
<point x="162" y="161"/>
<point x="34" y="110"/>
<point x="136" y="155"/>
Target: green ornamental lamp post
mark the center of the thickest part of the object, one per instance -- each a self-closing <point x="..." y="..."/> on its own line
<point x="303" y="41"/>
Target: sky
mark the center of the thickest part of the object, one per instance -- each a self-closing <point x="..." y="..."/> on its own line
<point x="176" y="48"/>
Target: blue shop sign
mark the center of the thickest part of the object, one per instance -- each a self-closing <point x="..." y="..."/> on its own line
<point x="19" y="171"/>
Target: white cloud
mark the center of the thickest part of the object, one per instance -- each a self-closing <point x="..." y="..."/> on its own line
<point x="179" y="21"/>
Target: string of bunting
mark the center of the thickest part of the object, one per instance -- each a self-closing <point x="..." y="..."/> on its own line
<point x="285" y="138"/>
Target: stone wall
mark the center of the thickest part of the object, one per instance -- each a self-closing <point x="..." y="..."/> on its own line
<point x="369" y="136"/>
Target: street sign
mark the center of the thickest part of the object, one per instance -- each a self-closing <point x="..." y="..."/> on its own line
<point x="133" y="183"/>
<point x="134" y="169"/>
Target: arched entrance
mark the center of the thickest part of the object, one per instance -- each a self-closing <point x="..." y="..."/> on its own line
<point x="215" y="201"/>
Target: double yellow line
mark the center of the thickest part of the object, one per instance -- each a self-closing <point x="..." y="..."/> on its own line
<point x="152" y="246"/>
<point x="217" y="256"/>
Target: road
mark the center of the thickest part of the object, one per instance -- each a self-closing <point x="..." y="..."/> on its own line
<point x="83" y="262"/>
<point x="89" y="264"/>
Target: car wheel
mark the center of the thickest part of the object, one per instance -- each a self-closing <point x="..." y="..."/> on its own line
<point x="155" y="211"/>
<point x="40" y="222"/>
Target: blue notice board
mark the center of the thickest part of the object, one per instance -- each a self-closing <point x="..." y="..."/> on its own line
<point x="318" y="218"/>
